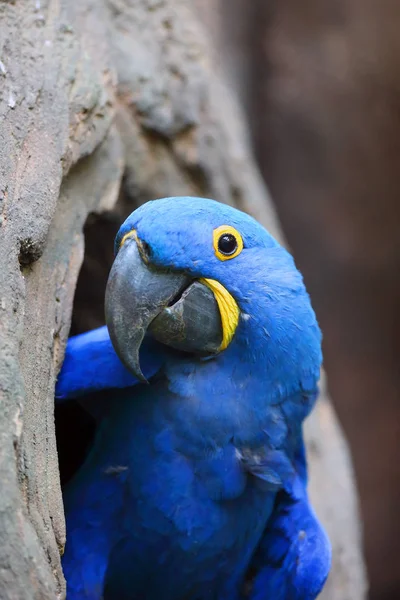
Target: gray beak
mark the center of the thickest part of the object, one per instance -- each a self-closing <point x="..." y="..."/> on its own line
<point x="172" y="307"/>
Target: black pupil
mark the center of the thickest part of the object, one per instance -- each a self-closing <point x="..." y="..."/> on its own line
<point x="227" y="244"/>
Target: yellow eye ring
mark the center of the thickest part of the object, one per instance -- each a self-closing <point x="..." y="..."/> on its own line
<point x="227" y="242"/>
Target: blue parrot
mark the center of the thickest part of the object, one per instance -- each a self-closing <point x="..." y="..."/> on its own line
<point x="195" y="485"/>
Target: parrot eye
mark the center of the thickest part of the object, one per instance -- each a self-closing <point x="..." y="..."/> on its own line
<point x="228" y="242"/>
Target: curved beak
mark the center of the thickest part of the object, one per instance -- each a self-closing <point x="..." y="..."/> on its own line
<point x="172" y="307"/>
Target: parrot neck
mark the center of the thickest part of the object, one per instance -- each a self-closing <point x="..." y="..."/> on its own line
<point x="281" y="356"/>
<point x="234" y="395"/>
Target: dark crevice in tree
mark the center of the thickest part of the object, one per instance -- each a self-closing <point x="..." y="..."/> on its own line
<point x="75" y="428"/>
<point x="88" y="309"/>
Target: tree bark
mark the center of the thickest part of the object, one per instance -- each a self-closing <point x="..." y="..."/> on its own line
<point x="100" y="100"/>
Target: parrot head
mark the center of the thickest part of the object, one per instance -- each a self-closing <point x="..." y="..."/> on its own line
<point x="206" y="279"/>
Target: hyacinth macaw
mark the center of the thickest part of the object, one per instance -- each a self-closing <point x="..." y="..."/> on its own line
<point x="195" y="487"/>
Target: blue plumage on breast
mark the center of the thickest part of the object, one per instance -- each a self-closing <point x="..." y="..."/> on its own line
<point x="165" y="505"/>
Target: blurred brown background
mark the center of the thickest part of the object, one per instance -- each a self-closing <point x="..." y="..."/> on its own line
<point x="320" y="82"/>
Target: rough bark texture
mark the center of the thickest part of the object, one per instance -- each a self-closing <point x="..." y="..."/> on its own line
<point x="91" y="91"/>
<point x="56" y="103"/>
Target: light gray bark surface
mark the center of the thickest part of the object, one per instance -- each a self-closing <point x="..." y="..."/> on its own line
<point x="89" y="91"/>
<point x="334" y="498"/>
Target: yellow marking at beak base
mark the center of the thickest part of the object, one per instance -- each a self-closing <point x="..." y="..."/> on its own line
<point x="132" y="234"/>
<point x="228" y="309"/>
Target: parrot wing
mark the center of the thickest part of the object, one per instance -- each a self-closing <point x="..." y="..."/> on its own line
<point x="91" y="365"/>
<point x="293" y="558"/>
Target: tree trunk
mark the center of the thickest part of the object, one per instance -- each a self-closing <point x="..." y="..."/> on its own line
<point x="100" y="100"/>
